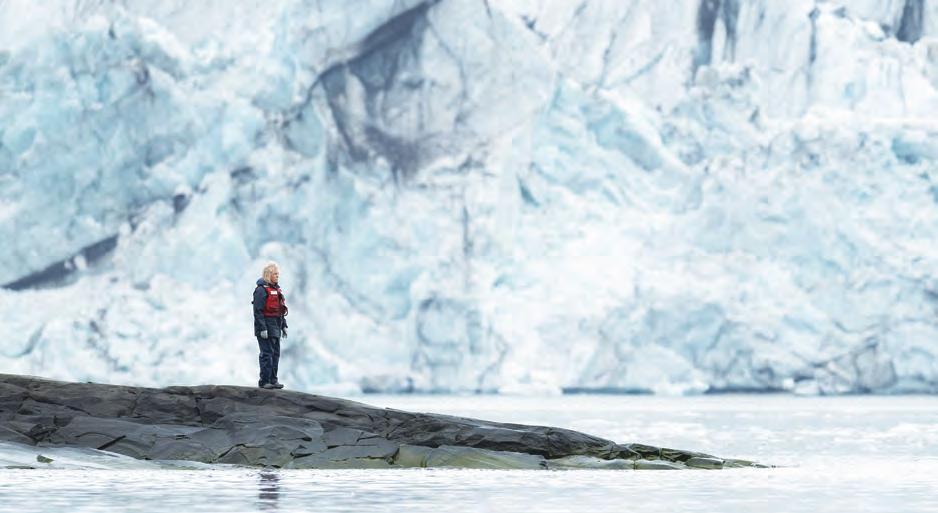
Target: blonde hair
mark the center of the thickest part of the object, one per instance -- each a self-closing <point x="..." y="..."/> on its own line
<point x="269" y="269"/>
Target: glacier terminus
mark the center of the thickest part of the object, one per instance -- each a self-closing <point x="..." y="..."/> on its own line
<point x="516" y="196"/>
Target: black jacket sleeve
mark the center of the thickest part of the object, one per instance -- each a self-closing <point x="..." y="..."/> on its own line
<point x="283" y="318"/>
<point x="260" y="299"/>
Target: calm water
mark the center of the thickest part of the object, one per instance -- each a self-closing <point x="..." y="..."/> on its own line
<point x="848" y="454"/>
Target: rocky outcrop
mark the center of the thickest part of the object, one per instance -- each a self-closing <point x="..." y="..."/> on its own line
<point x="279" y="428"/>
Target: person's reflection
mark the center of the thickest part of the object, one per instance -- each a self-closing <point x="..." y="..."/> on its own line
<point x="268" y="490"/>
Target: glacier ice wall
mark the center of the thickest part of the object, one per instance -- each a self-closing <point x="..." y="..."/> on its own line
<point x="466" y="195"/>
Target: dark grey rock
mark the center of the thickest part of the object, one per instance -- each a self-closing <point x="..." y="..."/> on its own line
<point x="181" y="449"/>
<point x="412" y="455"/>
<point x="468" y="457"/>
<point x="709" y="463"/>
<point x="11" y="435"/>
<point x="167" y="408"/>
<point x="581" y="462"/>
<point x="380" y="448"/>
<point x="276" y="428"/>
<point x="11" y="397"/>
<point x="658" y="465"/>
<point x="317" y="461"/>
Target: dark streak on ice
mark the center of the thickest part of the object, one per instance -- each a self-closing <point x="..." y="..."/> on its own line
<point x="57" y="272"/>
<point x="910" y="25"/>
<point x="708" y="13"/>
<point x="378" y="65"/>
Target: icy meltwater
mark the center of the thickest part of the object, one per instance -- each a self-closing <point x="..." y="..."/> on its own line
<point x="844" y="454"/>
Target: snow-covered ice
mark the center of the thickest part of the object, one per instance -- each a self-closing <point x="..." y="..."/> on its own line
<point x="521" y="196"/>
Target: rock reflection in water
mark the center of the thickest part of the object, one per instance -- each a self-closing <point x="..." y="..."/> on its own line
<point x="268" y="491"/>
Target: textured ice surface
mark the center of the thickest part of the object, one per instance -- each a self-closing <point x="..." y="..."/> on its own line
<point x="522" y="196"/>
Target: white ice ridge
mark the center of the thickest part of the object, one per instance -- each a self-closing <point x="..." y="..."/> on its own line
<point x="464" y="195"/>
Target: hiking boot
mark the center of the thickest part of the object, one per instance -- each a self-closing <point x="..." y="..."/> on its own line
<point x="270" y="386"/>
<point x="277" y="384"/>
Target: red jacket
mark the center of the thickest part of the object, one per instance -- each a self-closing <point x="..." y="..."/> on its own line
<point x="270" y="309"/>
<point x="275" y="306"/>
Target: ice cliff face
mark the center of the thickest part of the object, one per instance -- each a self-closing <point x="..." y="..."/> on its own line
<point x="474" y="195"/>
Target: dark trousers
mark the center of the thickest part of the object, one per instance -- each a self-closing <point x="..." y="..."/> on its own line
<point x="268" y="359"/>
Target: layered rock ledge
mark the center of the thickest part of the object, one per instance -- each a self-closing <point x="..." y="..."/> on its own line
<point x="287" y="429"/>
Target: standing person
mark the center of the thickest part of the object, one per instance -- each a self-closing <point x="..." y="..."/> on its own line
<point x="270" y="323"/>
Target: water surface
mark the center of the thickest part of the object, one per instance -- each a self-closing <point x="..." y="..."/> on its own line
<point x="845" y="454"/>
